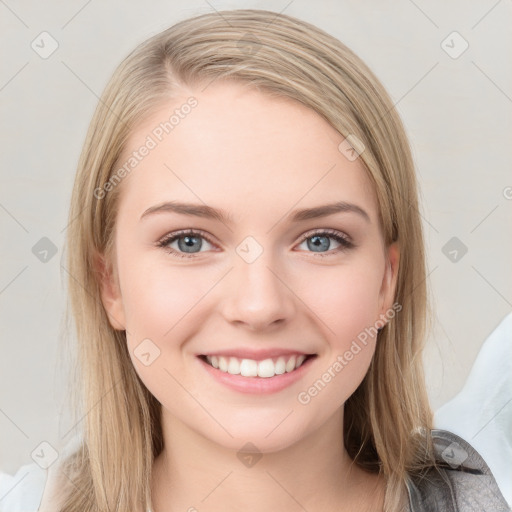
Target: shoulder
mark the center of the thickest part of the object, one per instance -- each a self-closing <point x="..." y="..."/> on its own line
<point x="32" y="489"/>
<point x="481" y="412"/>
<point x="461" y="482"/>
<point x="23" y="491"/>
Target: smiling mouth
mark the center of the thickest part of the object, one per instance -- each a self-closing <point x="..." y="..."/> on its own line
<point x="265" y="368"/>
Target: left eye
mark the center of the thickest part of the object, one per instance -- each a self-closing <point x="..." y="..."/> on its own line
<point x="320" y="242"/>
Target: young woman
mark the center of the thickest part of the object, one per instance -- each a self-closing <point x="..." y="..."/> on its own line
<point x="248" y="281"/>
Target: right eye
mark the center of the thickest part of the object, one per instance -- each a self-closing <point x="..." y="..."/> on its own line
<point x="187" y="243"/>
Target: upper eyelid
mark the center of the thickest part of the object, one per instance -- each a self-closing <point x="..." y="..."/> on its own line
<point x="185" y="232"/>
<point x="326" y="231"/>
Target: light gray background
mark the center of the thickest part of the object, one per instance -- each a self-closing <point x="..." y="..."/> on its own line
<point x="457" y="112"/>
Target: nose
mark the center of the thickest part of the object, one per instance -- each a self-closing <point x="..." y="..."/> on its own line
<point x="257" y="295"/>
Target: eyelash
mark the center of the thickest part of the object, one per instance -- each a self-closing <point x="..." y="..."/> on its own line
<point x="345" y="243"/>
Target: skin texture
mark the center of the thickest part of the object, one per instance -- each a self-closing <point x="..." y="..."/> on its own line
<point x="257" y="158"/>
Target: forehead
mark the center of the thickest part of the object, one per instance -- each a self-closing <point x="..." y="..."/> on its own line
<point x="244" y="151"/>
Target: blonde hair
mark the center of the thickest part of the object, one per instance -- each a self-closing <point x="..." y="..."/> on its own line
<point x="387" y="416"/>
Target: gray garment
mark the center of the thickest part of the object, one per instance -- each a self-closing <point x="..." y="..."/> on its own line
<point x="464" y="482"/>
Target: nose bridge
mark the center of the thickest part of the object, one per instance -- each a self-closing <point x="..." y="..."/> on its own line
<point x="257" y="296"/>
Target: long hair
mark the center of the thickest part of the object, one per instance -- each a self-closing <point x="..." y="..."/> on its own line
<point x="387" y="417"/>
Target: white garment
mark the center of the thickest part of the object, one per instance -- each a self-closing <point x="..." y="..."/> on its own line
<point x="23" y="491"/>
<point x="482" y="411"/>
<point x="481" y="414"/>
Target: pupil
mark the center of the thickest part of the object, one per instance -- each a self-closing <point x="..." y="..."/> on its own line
<point x="317" y="241"/>
<point x="188" y="243"/>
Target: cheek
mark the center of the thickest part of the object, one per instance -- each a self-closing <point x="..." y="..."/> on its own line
<point x="345" y="299"/>
<point x="158" y="300"/>
<point x="163" y="310"/>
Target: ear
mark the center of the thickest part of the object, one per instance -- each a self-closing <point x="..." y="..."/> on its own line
<point x="110" y="292"/>
<point x="388" y="288"/>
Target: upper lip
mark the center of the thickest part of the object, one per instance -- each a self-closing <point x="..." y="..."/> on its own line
<point x="256" y="355"/>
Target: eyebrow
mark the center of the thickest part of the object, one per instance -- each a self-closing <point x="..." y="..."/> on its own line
<point x="202" y="210"/>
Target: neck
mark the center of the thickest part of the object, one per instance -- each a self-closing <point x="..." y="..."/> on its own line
<point x="316" y="473"/>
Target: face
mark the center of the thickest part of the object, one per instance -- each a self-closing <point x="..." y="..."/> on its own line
<point x="222" y="249"/>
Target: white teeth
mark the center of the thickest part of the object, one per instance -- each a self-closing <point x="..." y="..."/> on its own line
<point x="223" y="364"/>
<point x="233" y="366"/>
<point x="280" y="366"/>
<point x="251" y="368"/>
<point x="290" y="365"/>
<point x="266" y="368"/>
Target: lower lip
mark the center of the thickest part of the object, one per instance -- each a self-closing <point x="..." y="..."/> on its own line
<point x="258" y="385"/>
